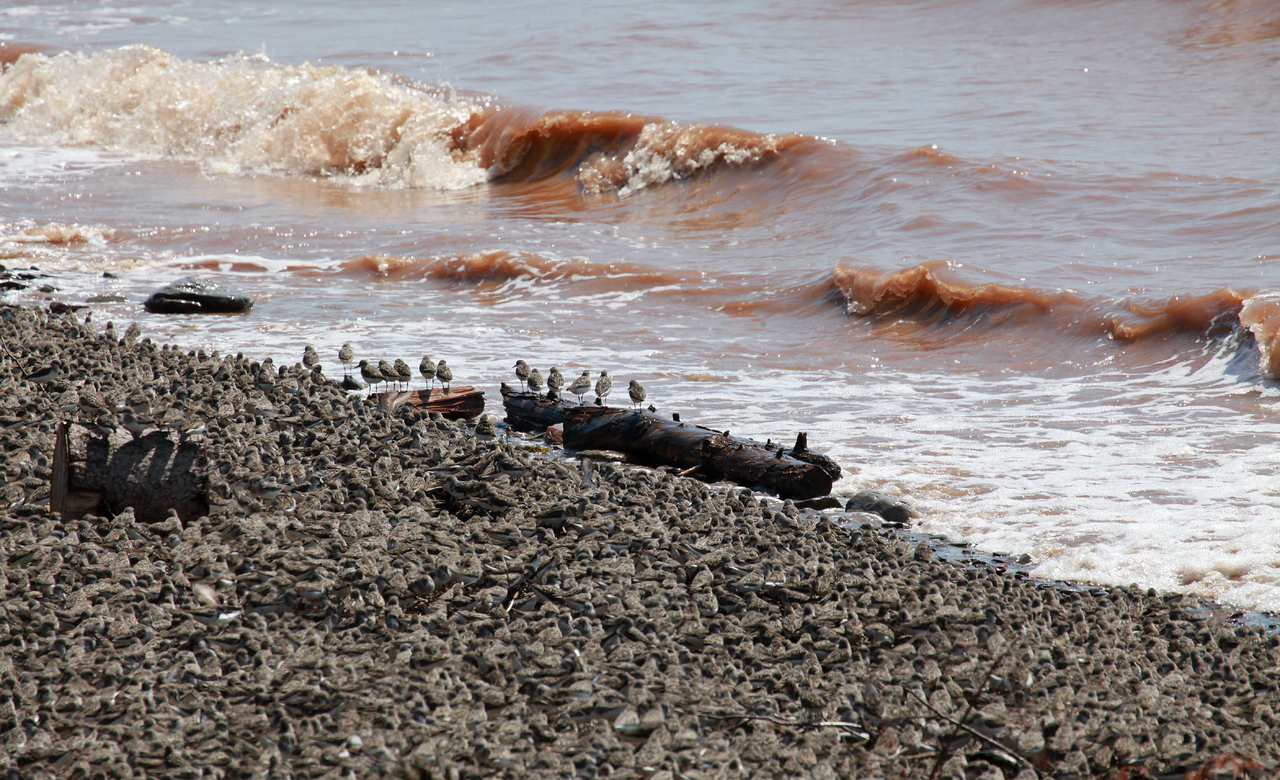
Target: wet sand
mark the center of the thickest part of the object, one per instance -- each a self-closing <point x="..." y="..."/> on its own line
<point x="422" y="601"/>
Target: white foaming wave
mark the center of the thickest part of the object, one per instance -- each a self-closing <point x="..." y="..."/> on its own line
<point x="670" y="151"/>
<point x="239" y="115"/>
<point x="1159" y="477"/>
<point x="54" y="233"/>
<point x="27" y="165"/>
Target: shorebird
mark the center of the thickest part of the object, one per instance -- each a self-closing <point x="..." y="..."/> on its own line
<point x="133" y="423"/>
<point x="535" y="381"/>
<point x="370" y="374"/>
<point x="428" y="370"/>
<point x="346" y="355"/>
<point x="310" y="359"/>
<point x="522" y="372"/>
<point x="46" y="375"/>
<point x="555" y="380"/>
<point x="636" y="391"/>
<point x="444" y="374"/>
<point x="388" y="372"/>
<point x="92" y="403"/>
<point x="581" y="386"/>
<point x="404" y="372"/>
<point x="603" y="385"/>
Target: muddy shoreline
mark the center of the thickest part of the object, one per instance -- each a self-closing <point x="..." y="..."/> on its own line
<point x="421" y="601"/>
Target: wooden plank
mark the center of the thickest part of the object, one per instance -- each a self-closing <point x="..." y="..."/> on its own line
<point x="460" y="402"/>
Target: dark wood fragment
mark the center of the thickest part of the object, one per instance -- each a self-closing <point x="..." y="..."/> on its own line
<point x="694" y="450"/>
<point x="152" y="474"/>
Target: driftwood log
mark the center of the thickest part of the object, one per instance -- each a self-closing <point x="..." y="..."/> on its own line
<point x="697" y="451"/>
<point x="105" y="474"/>
<point x="459" y="402"/>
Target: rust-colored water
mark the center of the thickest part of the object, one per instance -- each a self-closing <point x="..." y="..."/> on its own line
<point x="1014" y="259"/>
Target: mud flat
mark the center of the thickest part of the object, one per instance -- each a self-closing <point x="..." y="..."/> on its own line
<point x="375" y="594"/>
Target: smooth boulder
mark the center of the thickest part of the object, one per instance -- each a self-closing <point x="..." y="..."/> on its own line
<point x="891" y="508"/>
<point x="198" y="296"/>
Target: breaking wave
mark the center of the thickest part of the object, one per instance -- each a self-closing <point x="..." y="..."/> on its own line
<point x="247" y="115"/>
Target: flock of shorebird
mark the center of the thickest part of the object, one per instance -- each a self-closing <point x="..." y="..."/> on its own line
<point x="532" y="379"/>
<point x="400" y="373"/>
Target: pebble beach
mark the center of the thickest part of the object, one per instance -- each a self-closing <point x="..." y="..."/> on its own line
<point x="411" y="598"/>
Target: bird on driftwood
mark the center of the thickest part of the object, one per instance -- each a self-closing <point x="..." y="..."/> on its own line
<point x="444" y="374"/>
<point x="522" y="372"/>
<point x="581" y="386"/>
<point x="636" y="391"/>
<point x="603" y="386"/>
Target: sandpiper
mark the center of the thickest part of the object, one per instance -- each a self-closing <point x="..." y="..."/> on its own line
<point x="404" y="373"/>
<point x="388" y="372"/>
<point x="636" y="391"/>
<point x="535" y="381"/>
<point x="603" y="385"/>
<point x="581" y="386"/>
<point x="346" y="356"/>
<point x="428" y="370"/>
<point x="46" y="375"/>
<point x="444" y="374"/>
<point x="522" y="372"/>
<point x="369" y="373"/>
<point x="555" y="380"/>
<point x="310" y="359"/>
<point x="133" y="423"/>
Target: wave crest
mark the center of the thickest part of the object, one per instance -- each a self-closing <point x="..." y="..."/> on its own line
<point x="239" y="115"/>
<point x="934" y="292"/>
<point x="247" y="115"/>
<point x="503" y="266"/>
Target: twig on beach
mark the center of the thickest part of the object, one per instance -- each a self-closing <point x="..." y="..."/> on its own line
<point x="858" y="729"/>
<point x="972" y="698"/>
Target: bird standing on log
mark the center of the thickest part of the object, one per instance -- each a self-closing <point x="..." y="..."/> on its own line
<point x="522" y="372"/>
<point x="555" y="380"/>
<point x="636" y="391"/>
<point x="444" y="374"/>
<point x="535" y="381"/>
<point x="581" y="386"/>
<point x="603" y="386"/>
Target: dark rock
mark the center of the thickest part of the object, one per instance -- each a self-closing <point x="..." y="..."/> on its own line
<point x="197" y="296"/>
<point x="823" y="502"/>
<point x="891" y="508"/>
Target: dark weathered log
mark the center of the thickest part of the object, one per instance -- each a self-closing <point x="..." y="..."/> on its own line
<point x="537" y="412"/>
<point x="152" y="474"/>
<point x="696" y="451"/>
